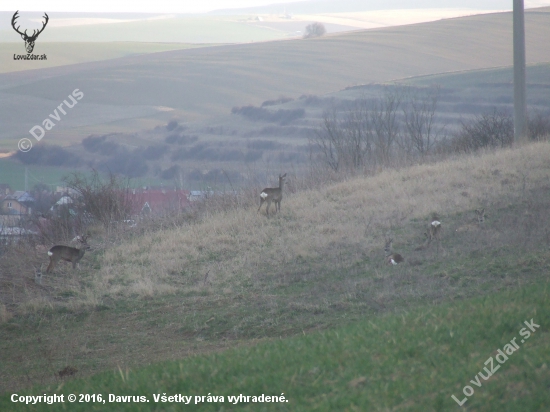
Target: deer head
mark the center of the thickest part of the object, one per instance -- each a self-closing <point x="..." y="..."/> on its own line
<point x="29" y="40"/>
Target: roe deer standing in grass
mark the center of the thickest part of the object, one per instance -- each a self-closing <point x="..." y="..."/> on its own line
<point x="273" y="194"/>
<point x="392" y="258"/>
<point x="70" y="254"/>
<point x="434" y="229"/>
<point x="433" y="233"/>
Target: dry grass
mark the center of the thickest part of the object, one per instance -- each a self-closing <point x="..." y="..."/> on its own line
<point x="318" y="231"/>
<point x="319" y="227"/>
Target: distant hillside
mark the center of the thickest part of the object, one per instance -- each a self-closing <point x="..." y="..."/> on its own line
<point x="207" y="82"/>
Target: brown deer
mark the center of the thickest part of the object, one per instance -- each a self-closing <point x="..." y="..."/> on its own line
<point x="475" y="224"/>
<point x="273" y="194"/>
<point x="67" y="253"/>
<point x="433" y="233"/>
<point x="29" y="40"/>
<point x="392" y="258"/>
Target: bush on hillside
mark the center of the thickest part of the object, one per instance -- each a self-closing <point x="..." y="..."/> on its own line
<point x="131" y="164"/>
<point x="99" y="144"/>
<point x="154" y="152"/>
<point x="494" y="129"/>
<point x="274" y="102"/>
<point x="539" y="126"/>
<point x="107" y="200"/>
<point x="48" y="155"/>
<point x="315" y="30"/>
<point x="281" y="116"/>
<point x="170" y="173"/>
<point x="181" y="139"/>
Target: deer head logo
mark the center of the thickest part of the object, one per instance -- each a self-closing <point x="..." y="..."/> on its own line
<point x="29" y="40"/>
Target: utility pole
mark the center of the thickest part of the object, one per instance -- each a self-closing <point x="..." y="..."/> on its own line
<point x="520" y="111"/>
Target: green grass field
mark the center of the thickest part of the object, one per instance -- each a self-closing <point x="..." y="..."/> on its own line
<point x="12" y="172"/>
<point x="413" y="360"/>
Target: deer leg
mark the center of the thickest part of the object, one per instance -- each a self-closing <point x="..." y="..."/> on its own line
<point x="262" y="200"/>
<point x="267" y="208"/>
<point x="51" y="265"/>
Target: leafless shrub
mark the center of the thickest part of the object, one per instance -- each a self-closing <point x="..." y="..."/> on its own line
<point x="539" y="126"/>
<point x="494" y="129"/>
<point x="105" y="199"/>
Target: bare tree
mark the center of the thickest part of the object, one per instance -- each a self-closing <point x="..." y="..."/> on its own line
<point x="420" y="131"/>
<point x="383" y="123"/>
<point x="343" y="140"/>
<point x="364" y="135"/>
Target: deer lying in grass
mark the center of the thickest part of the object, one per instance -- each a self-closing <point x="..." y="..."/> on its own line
<point x="273" y="194"/>
<point x="476" y="223"/>
<point x="392" y="258"/>
<point x="67" y="253"/>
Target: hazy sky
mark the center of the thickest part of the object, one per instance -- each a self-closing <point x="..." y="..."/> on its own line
<point x="159" y="6"/>
<point x="150" y="6"/>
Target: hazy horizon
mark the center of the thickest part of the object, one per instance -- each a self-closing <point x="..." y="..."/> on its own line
<point x="165" y="6"/>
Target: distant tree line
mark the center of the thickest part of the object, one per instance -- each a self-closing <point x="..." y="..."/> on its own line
<point x="281" y="116"/>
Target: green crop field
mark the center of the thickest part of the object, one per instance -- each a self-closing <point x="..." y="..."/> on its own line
<point x="12" y="172"/>
<point x="415" y="361"/>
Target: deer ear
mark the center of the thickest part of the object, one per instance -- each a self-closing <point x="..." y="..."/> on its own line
<point x="23" y="36"/>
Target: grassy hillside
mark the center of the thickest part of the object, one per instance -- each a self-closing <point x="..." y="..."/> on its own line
<point x="206" y="82"/>
<point x="237" y="277"/>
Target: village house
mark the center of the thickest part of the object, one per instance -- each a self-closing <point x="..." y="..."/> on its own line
<point x="18" y="203"/>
